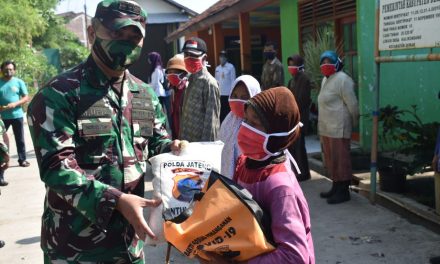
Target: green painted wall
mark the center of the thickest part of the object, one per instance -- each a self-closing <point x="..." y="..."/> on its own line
<point x="289" y="32"/>
<point x="402" y="83"/>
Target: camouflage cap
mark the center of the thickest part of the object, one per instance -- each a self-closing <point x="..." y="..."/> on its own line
<point x="116" y="14"/>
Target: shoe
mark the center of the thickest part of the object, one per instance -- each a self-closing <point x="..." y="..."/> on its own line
<point x="341" y="194"/>
<point x="328" y="193"/>
<point x="24" y="164"/>
<point x="3" y="183"/>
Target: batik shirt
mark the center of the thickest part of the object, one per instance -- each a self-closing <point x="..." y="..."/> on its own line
<point x="201" y="108"/>
<point x="91" y="144"/>
<point x="272" y="74"/>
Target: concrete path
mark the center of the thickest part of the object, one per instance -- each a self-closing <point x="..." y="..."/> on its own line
<point x="353" y="232"/>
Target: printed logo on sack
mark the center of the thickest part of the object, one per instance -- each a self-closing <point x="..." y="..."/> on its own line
<point x="187" y="182"/>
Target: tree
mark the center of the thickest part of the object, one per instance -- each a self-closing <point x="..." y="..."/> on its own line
<point x="28" y="27"/>
<point x="58" y="37"/>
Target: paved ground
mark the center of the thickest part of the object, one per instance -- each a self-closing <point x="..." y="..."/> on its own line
<point x="354" y="232"/>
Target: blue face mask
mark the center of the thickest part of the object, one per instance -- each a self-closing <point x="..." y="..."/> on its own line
<point x="269" y="55"/>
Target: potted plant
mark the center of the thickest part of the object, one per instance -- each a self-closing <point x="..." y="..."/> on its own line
<point x="403" y="142"/>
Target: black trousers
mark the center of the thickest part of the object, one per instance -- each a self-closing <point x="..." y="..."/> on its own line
<point x="17" y="128"/>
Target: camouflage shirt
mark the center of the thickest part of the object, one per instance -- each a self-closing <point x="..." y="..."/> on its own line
<point x="3" y="147"/>
<point x="201" y="108"/>
<point x="272" y="75"/>
<point x="91" y="144"/>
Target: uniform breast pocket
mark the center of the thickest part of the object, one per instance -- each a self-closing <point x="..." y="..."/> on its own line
<point x="96" y="140"/>
<point x="142" y="130"/>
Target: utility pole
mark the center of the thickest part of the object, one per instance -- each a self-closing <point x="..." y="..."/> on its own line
<point x="85" y="25"/>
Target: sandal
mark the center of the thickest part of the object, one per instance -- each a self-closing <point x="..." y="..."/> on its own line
<point x="24" y="164"/>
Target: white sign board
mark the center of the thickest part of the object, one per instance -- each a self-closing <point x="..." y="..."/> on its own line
<point x="408" y="24"/>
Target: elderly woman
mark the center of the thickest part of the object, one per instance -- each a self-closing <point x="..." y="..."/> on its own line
<point x="338" y="113"/>
<point x="271" y="124"/>
<point x="300" y="86"/>
<point x="244" y="88"/>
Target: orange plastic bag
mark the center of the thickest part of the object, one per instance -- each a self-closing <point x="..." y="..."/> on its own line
<point x="224" y="219"/>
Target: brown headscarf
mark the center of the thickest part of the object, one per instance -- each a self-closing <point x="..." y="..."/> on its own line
<point x="278" y="113"/>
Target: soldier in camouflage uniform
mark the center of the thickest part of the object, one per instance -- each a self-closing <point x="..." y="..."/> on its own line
<point x="4" y="153"/>
<point x="93" y="129"/>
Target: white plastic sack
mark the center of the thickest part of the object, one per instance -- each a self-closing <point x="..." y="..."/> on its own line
<point x="177" y="178"/>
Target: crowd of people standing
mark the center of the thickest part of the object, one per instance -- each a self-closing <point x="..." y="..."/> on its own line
<point x="95" y="126"/>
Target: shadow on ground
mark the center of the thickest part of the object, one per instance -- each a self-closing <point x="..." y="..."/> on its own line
<point x="28" y="241"/>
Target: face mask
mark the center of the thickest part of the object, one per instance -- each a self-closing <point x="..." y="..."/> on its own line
<point x="223" y="60"/>
<point x="193" y="65"/>
<point x="328" y="69"/>
<point x="270" y="55"/>
<point x="294" y="69"/>
<point x="237" y="107"/>
<point x="253" y="142"/>
<point x="116" y="54"/>
<point x="175" y="79"/>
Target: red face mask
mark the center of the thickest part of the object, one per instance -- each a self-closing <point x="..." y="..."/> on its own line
<point x="237" y="107"/>
<point x="193" y="65"/>
<point x="328" y="69"/>
<point x="293" y="70"/>
<point x="253" y="142"/>
<point x="174" y="79"/>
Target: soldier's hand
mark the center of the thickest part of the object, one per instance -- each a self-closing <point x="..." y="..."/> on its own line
<point x="131" y="207"/>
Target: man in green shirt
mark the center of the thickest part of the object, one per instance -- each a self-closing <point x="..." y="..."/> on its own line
<point x="13" y="94"/>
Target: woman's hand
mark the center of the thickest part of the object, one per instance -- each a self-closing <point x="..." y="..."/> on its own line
<point x="131" y="207"/>
<point x="178" y="145"/>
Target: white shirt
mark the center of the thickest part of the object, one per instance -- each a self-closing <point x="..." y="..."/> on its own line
<point x="157" y="80"/>
<point x="225" y="76"/>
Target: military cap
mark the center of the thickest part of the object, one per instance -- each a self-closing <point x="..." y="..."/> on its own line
<point x="116" y="14"/>
<point x="195" y="46"/>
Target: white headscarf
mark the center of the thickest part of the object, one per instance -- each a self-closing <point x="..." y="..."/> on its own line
<point x="229" y="128"/>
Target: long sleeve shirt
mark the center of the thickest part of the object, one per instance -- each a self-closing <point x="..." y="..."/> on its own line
<point x="200" y="117"/>
<point x="157" y="78"/>
<point x="225" y="76"/>
<point x="301" y="88"/>
<point x="92" y="138"/>
<point x="276" y="190"/>
<point x="272" y="74"/>
<point x="338" y="109"/>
